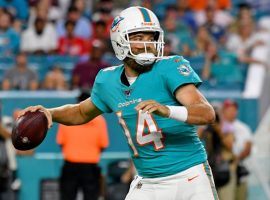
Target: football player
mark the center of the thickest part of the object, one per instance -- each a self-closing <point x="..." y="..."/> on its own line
<point x="158" y="105"/>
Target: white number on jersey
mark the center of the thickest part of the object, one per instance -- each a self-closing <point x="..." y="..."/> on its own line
<point x="145" y="122"/>
<point x="154" y="135"/>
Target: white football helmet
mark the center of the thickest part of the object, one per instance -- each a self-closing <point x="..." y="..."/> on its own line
<point x="136" y="19"/>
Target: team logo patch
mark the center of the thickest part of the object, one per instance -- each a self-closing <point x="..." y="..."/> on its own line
<point x="116" y="23"/>
<point x="184" y="70"/>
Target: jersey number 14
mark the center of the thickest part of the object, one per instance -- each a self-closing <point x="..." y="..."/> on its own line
<point x="147" y="132"/>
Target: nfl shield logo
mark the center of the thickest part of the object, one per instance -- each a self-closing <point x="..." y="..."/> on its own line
<point x="127" y="92"/>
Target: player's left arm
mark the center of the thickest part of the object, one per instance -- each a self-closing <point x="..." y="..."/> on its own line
<point x="195" y="107"/>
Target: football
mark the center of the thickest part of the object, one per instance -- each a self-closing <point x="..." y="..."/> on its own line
<point x="29" y="130"/>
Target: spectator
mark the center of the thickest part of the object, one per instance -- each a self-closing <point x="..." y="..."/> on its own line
<point x="105" y="13"/>
<point x="81" y="5"/>
<point x="46" y="9"/>
<point x="40" y="38"/>
<point x="9" y="38"/>
<point x="218" y="145"/>
<point x="120" y="174"/>
<point x="82" y="146"/>
<point x="186" y="15"/>
<point x="242" y="38"/>
<point x="54" y="13"/>
<point x="170" y="28"/>
<point x="241" y="150"/>
<point x="55" y="80"/>
<point x="177" y="30"/>
<point x="146" y="4"/>
<point x="243" y="42"/>
<point x="129" y="174"/>
<point x="20" y="77"/>
<point x="99" y="31"/>
<point x="70" y="44"/>
<point x="83" y="75"/>
<point x="83" y="28"/>
<point x="203" y="40"/>
<point x="216" y="31"/>
<point x="221" y="68"/>
<point x="14" y="183"/>
<point x="198" y="5"/>
<point x="18" y="8"/>
<point x="37" y="11"/>
<point x="244" y="14"/>
<point x="5" y="172"/>
<point x="221" y="16"/>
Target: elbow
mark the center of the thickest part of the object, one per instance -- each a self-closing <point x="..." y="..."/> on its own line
<point x="210" y="116"/>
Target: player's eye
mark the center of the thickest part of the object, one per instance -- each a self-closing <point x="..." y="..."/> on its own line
<point x="136" y="38"/>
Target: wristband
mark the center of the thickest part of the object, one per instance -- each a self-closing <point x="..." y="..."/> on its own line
<point x="179" y="113"/>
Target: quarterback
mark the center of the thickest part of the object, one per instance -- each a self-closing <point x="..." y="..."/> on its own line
<point x="158" y="105"/>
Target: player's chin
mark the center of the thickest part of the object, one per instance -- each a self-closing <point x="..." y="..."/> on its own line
<point x="137" y="67"/>
<point x="144" y="68"/>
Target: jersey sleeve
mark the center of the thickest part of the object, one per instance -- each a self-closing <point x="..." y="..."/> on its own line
<point x="179" y="73"/>
<point x="97" y="93"/>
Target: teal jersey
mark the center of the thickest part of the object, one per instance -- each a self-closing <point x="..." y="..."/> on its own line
<point x="159" y="146"/>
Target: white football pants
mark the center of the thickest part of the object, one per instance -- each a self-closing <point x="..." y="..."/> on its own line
<point x="195" y="183"/>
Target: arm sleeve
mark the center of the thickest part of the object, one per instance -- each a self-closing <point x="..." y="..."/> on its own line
<point x="180" y="73"/>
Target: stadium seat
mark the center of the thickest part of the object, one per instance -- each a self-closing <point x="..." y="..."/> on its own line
<point x="66" y="63"/>
<point x="43" y="64"/>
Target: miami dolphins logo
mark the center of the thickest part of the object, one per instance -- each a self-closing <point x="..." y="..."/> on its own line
<point x="116" y="23"/>
<point x="184" y="70"/>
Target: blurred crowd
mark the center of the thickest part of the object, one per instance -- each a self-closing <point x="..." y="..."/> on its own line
<point x="228" y="143"/>
<point x="218" y="37"/>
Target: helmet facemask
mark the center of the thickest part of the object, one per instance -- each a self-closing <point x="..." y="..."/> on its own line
<point x="148" y="57"/>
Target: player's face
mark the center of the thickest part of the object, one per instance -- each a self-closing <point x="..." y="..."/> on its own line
<point x="140" y="47"/>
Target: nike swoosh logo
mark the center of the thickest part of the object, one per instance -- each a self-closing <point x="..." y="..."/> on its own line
<point x="190" y="179"/>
